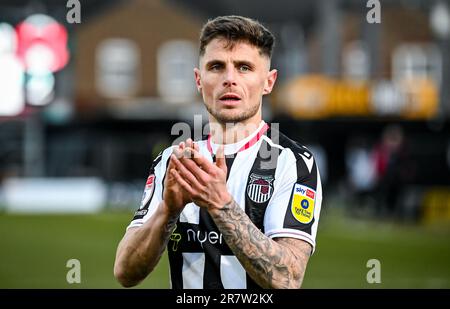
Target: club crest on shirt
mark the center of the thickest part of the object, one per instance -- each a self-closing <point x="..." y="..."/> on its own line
<point x="148" y="191"/>
<point x="260" y="188"/>
<point x="303" y="201"/>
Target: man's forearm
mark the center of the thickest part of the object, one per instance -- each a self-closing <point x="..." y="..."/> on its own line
<point x="140" y="250"/>
<point x="270" y="264"/>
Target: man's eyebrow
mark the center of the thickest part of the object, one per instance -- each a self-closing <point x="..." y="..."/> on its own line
<point x="235" y="62"/>
<point x="212" y="62"/>
<point x="243" y="62"/>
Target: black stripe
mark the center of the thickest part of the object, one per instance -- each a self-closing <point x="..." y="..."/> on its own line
<point x="229" y="160"/>
<point x="211" y="275"/>
<point x="264" y="167"/>
<point x="213" y="252"/>
<point x="304" y="177"/>
<point x="289" y="220"/>
<point x="176" y="265"/>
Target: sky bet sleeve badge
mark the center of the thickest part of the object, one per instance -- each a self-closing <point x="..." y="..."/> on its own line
<point x="302" y="206"/>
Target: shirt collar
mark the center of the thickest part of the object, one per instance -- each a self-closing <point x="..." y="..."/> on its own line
<point x="242" y="145"/>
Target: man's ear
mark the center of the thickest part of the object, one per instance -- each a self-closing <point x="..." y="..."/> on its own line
<point x="198" y="79"/>
<point x="270" y="81"/>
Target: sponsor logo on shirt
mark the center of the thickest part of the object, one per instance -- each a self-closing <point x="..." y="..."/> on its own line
<point x="175" y="237"/>
<point x="303" y="202"/>
<point x="211" y="237"/>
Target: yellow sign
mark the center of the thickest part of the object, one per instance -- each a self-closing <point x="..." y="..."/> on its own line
<point x="318" y="96"/>
<point x="436" y="205"/>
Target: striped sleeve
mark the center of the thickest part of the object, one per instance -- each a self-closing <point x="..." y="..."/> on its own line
<point x="153" y="189"/>
<point x="294" y="209"/>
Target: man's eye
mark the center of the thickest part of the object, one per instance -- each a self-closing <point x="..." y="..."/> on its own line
<point x="244" y="68"/>
<point x="215" y="67"/>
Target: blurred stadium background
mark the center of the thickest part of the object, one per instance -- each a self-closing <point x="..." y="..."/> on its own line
<point x="84" y="107"/>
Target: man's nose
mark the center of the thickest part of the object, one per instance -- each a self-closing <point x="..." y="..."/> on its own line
<point x="230" y="78"/>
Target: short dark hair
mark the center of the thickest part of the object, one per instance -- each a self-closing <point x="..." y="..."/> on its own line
<point x="235" y="29"/>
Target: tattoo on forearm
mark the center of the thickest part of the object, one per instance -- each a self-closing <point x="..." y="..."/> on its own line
<point x="171" y="226"/>
<point x="268" y="262"/>
<point x="145" y="256"/>
<point x="168" y="230"/>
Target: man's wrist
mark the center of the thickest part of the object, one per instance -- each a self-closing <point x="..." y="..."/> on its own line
<point x="170" y="216"/>
<point x="228" y="202"/>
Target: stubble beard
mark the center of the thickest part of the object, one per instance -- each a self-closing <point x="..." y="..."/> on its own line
<point x="225" y="116"/>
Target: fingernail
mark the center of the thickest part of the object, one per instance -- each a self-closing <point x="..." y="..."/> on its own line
<point x="176" y="153"/>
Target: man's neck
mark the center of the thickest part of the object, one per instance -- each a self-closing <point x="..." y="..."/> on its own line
<point x="231" y="133"/>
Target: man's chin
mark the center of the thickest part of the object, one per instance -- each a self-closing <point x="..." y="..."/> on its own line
<point x="231" y="116"/>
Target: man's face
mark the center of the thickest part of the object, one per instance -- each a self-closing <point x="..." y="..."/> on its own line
<point x="233" y="80"/>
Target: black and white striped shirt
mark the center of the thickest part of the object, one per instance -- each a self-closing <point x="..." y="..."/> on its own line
<point x="274" y="179"/>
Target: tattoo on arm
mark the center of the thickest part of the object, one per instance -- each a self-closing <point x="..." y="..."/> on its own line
<point x="272" y="264"/>
<point x="148" y="258"/>
<point x="167" y="231"/>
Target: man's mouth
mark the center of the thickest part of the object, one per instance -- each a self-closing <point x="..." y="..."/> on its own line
<point x="230" y="97"/>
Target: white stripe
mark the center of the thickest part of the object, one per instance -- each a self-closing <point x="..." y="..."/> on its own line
<point x="290" y="233"/>
<point x="255" y="193"/>
<point x="271" y="143"/>
<point x="253" y="190"/>
<point x="135" y="223"/>
<point x="190" y="214"/>
<point x="317" y="205"/>
<point x="286" y="231"/>
<point x="232" y="273"/>
<point x="308" y="161"/>
<point x="193" y="270"/>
